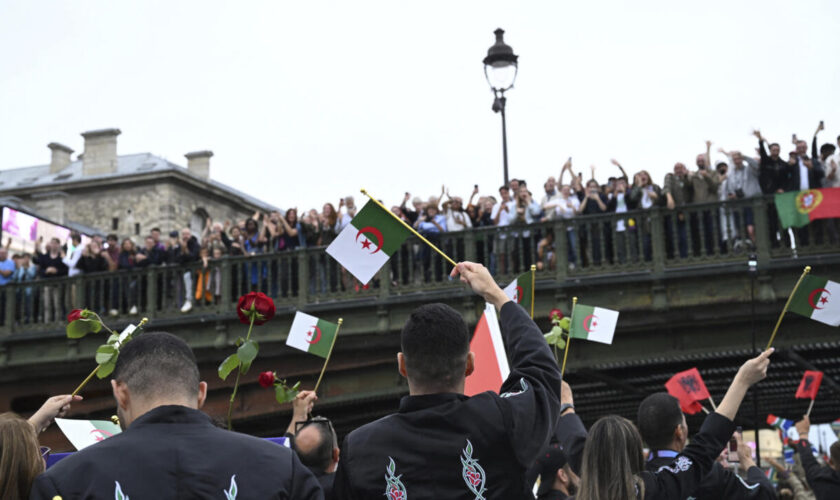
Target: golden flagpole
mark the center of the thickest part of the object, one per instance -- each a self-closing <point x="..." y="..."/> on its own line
<point x="787" y="304"/>
<point x="569" y="339"/>
<point x="533" y="284"/>
<point x="329" y="353"/>
<point x="413" y="231"/>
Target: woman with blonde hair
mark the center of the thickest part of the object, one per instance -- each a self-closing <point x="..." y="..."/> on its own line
<point x="613" y="466"/>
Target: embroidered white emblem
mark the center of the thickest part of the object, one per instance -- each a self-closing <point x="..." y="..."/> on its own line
<point x="516" y="393"/>
<point x="394" y="488"/>
<point x="681" y="464"/>
<point x="472" y="473"/>
<point x="118" y="494"/>
<point x="230" y="494"/>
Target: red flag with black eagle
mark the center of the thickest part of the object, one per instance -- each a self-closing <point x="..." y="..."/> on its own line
<point x="688" y="387"/>
<point x="809" y="385"/>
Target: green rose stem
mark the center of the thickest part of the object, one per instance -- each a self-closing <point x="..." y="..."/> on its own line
<point x="569" y="340"/>
<point x="89" y="377"/>
<point x="239" y="373"/>
<point x="329" y="353"/>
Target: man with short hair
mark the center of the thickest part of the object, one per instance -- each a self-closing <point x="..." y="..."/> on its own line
<point x="705" y="183"/>
<point x="679" y="192"/>
<point x="825" y="481"/>
<point x="314" y="440"/>
<point x="170" y="449"/>
<point x="504" y="212"/>
<point x="557" y="480"/>
<point x="663" y="427"/>
<point x="443" y="444"/>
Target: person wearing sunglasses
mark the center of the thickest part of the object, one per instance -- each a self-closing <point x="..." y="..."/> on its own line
<point x="314" y="440"/>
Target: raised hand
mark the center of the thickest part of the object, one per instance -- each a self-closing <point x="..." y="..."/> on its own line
<point x="56" y="406"/>
<point x="481" y="282"/>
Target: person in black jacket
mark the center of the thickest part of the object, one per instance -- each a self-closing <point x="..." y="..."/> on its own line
<point x="169" y="449"/>
<point x="662" y="426"/>
<point x="443" y="444"/>
<point x="825" y="481"/>
<point x="612" y="465"/>
<point x="184" y="253"/>
<point x="314" y="440"/>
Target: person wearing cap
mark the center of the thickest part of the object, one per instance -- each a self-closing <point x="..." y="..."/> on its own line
<point x="557" y="481"/>
<point x="663" y="427"/>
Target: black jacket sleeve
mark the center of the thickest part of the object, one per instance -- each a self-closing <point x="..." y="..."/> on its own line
<point x="572" y="435"/>
<point x="813" y="471"/>
<point x="755" y="487"/>
<point x="43" y="489"/>
<point x="685" y="473"/>
<point x="341" y="486"/>
<point x="530" y="397"/>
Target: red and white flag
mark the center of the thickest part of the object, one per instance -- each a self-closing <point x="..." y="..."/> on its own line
<point x="491" y="363"/>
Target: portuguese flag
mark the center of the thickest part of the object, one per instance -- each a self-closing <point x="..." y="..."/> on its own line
<point x="520" y="290"/>
<point x="311" y="334"/>
<point x="366" y="244"/>
<point x="798" y="208"/>
<point x="819" y="299"/>
<point x="593" y="323"/>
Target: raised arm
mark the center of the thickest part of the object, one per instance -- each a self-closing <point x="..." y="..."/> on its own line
<point x="530" y="402"/>
<point x="623" y="173"/>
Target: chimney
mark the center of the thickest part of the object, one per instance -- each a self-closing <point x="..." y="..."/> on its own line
<point x="198" y="163"/>
<point x="60" y="157"/>
<point x="100" y="156"/>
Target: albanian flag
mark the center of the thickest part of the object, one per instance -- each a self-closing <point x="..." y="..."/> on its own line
<point x="688" y="388"/>
<point x="809" y="385"/>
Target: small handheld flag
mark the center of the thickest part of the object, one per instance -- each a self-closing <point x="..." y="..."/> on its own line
<point x="593" y="323"/>
<point x="366" y="244"/>
<point x="780" y="423"/>
<point x="491" y="363"/>
<point x="809" y="385"/>
<point x="520" y="290"/>
<point x="688" y="387"/>
<point x="311" y="334"/>
<point x="819" y="299"/>
<point x="83" y="433"/>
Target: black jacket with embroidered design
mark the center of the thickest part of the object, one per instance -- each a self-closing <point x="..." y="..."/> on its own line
<point x="175" y="452"/>
<point x="450" y="446"/>
<point x="721" y="483"/>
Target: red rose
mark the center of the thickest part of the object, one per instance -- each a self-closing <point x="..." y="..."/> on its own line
<point x="266" y="379"/>
<point x="255" y="303"/>
<point x="74" y="315"/>
<point x="555" y="312"/>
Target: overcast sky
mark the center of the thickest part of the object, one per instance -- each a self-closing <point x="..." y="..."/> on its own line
<point x="303" y="102"/>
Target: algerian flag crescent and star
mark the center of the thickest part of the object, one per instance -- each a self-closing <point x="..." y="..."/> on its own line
<point x="593" y="323"/>
<point x="818" y="299"/>
<point x="519" y="290"/>
<point x="311" y="334"/>
<point x="366" y="244"/>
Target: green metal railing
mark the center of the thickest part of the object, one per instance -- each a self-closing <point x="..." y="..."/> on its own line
<point x="650" y="242"/>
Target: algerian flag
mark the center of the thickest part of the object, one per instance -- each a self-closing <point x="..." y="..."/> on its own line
<point x="520" y="289"/>
<point x="83" y="433"/>
<point x="311" y="334"/>
<point x="593" y="323"/>
<point x="819" y="299"/>
<point x="367" y="243"/>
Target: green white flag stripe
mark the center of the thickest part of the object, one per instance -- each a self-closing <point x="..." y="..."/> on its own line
<point x="311" y="334"/>
<point x="519" y="290"/>
<point x="819" y="299"/>
<point x="83" y="433"/>
<point x="594" y="323"/>
<point x="365" y="245"/>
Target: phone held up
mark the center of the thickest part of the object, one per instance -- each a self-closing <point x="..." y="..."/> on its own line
<point x="732" y="450"/>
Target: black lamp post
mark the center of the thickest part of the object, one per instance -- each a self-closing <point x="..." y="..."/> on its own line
<point x="500" y="68"/>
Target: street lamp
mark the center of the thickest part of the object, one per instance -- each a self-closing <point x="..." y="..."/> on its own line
<point x="500" y="68"/>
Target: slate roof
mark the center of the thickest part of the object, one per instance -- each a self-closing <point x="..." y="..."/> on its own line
<point x="127" y="165"/>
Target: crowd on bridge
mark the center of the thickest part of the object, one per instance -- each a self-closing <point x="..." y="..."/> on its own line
<point x="522" y="442"/>
<point x="507" y="248"/>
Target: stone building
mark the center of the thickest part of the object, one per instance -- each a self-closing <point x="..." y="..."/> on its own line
<point x="125" y="194"/>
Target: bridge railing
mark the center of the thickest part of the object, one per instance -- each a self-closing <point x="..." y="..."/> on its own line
<point x="650" y="242"/>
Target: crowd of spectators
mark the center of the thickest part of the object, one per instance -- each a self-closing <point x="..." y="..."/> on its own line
<point x="706" y="229"/>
